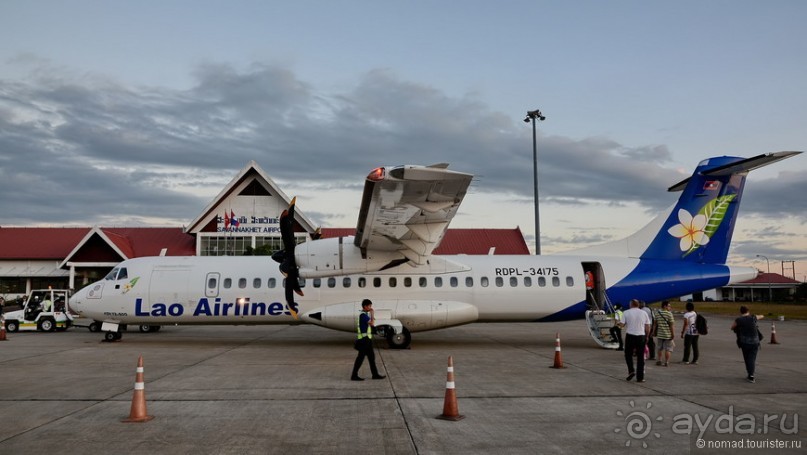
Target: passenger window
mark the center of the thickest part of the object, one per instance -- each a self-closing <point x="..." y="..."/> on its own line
<point x="228" y="283"/>
<point x="453" y="282"/>
<point x="331" y="282"/>
<point x="123" y="274"/>
<point x="541" y="281"/>
<point x="484" y="281"/>
<point x="301" y="282"/>
<point x="362" y="282"/>
<point x="569" y="281"/>
<point x="469" y="281"/>
<point x="422" y="281"/>
<point x="438" y="282"/>
<point x="555" y="281"/>
<point x="317" y="282"/>
<point x="393" y="282"/>
<point x="242" y="283"/>
<point x="513" y="281"/>
<point x="346" y="282"/>
<point x="527" y="281"/>
<point x="408" y="282"/>
<point x="376" y="282"/>
<point x="271" y="282"/>
<point x="211" y="283"/>
<point x="499" y="282"/>
<point x="256" y="283"/>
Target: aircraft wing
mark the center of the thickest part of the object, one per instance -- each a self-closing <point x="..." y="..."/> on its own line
<point x="408" y="208"/>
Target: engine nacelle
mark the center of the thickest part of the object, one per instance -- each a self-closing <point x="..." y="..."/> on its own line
<point x="340" y="256"/>
<point x="415" y="315"/>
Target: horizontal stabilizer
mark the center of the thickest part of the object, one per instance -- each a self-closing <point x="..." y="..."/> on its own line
<point x="745" y="165"/>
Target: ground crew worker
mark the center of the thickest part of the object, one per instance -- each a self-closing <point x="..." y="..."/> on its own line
<point x="364" y="341"/>
<point x="616" y="330"/>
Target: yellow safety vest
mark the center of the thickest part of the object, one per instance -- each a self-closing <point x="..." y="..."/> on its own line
<point x="369" y="333"/>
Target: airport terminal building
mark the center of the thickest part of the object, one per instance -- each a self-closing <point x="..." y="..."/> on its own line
<point x="241" y="219"/>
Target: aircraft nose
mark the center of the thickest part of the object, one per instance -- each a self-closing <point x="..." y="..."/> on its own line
<point x="76" y="301"/>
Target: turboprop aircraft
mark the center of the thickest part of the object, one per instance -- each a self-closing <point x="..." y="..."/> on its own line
<point x="404" y="213"/>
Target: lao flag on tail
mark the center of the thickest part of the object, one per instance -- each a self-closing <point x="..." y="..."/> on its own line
<point x="711" y="185"/>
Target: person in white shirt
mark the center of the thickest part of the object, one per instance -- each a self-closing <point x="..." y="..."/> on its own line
<point x="689" y="332"/>
<point x="637" y="329"/>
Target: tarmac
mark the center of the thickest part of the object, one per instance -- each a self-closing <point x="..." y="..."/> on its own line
<point x="285" y="389"/>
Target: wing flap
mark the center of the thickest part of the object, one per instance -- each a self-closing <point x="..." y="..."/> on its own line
<point x="409" y="208"/>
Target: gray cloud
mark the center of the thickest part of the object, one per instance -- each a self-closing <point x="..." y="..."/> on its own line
<point x="78" y="149"/>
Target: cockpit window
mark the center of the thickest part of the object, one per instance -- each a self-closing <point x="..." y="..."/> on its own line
<point x="112" y="274"/>
<point x="123" y="274"/>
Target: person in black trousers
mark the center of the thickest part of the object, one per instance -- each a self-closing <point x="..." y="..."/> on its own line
<point x="748" y="339"/>
<point x="364" y="341"/>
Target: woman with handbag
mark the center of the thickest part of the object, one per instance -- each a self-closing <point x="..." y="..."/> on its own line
<point x="748" y="339"/>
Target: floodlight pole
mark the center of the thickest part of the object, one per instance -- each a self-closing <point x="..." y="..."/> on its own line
<point x="531" y="116"/>
<point x="770" y="293"/>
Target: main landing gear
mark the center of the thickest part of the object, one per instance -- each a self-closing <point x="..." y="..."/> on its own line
<point x="112" y="336"/>
<point x="399" y="340"/>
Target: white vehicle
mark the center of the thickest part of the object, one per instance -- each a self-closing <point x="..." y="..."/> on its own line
<point x="44" y="310"/>
<point x="404" y="213"/>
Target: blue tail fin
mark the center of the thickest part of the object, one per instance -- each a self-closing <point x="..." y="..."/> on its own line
<point x="700" y="226"/>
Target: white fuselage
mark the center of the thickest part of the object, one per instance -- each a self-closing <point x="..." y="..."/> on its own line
<point x="449" y="290"/>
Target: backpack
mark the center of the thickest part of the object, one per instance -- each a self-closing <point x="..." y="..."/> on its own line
<point x="700" y="325"/>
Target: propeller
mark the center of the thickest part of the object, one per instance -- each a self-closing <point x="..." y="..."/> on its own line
<point x="288" y="265"/>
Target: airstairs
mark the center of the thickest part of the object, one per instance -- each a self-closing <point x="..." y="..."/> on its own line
<point x="599" y="320"/>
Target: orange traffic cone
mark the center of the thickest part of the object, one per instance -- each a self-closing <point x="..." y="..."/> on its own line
<point x="2" y="329"/>
<point x="450" y="410"/>
<point x="558" y="357"/>
<point x="773" y="334"/>
<point x="138" y="411"/>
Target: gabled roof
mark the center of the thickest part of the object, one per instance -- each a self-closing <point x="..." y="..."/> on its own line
<point x="40" y="243"/>
<point x="465" y="241"/>
<point x="249" y="171"/>
<point x="127" y="243"/>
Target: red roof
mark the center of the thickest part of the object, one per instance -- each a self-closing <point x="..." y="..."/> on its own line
<point x="771" y="278"/>
<point x="39" y="243"/>
<point x="144" y="241"/>
<point x="465" y="241"/>
<point x="58" y="243"/>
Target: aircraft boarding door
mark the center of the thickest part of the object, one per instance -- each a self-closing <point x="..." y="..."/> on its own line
<point x="595" y="286"/>
<point x="598" y="307"/>
<point x="212" y="284"/>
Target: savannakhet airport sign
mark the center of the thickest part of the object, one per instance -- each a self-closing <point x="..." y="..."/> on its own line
<point x="247" y="224"/>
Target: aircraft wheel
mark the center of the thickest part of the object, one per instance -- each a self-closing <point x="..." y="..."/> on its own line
<point x="94" y="326"/>
<point x="12" y="326"/>
<point x="399" y="340"/>
<point x="46" y="325"/>
<point x="145" y="328"/>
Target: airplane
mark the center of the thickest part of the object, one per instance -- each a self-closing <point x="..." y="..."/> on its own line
<point x="403" y="216"/>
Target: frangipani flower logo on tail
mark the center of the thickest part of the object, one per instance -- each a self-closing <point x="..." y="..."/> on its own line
<point x="696" y="231"/>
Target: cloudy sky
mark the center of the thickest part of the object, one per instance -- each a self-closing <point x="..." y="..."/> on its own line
<point x="122" y="113"/>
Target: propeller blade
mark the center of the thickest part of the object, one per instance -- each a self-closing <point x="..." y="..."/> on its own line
<point x="288" y="265"/>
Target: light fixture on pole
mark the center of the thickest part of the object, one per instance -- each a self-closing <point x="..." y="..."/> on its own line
<point x="770" y="292"/>
<point x="531" y="117"/>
